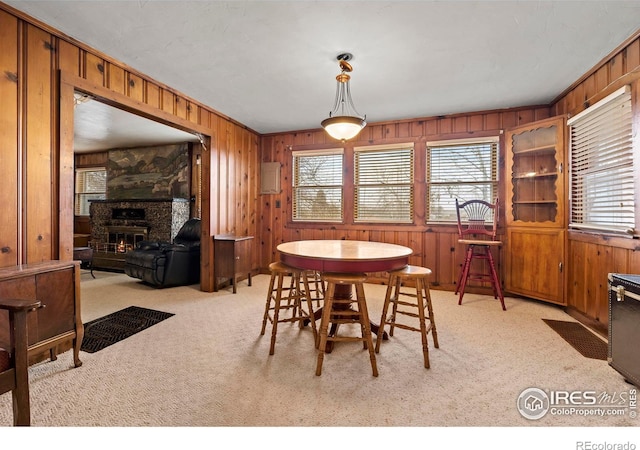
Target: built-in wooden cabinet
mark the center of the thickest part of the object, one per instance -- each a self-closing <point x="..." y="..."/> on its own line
<point x="57" y="324"/>
<point x="535" y="210"/>
<point x="535" y="263"/>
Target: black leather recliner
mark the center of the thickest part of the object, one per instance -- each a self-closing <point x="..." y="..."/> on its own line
<point x="163" y="264"/>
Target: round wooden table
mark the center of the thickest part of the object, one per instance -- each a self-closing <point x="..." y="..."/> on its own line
<point x="344" y="256"/>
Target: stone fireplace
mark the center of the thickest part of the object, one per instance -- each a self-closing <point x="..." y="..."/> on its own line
<point x="117" y="226"/>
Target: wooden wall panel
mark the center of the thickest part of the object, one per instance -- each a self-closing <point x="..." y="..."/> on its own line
<point x="181" y="107"/>
<point x="38" y="160"/>
<point x="9" y="140"/>
<point x="223" y="178"/>
<point x="152" y="97"/>
<point x="591" y="256"/>
<point x="633" y="55"/>
<point x="617" y="66"/>
<point x="94" y="70"/>
<point x="167" y="101"/>
<point x="492" y="121"/>
<point x="193" y="112"/>
<point x="63" y="172"/>
<point x="436" y="249"/>
<point x="576" y="288"/>
<point x="93" y="159"/>
<point x="68" y="57"/>
<point x="135" y="87"/>
<point x="590" y="281"/>
<point x="634" y="260"/>
<point x="116" y="79"/>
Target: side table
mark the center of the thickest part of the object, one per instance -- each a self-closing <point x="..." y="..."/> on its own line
<point x="232" y="259"/>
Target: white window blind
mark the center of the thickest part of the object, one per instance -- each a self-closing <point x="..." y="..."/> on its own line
<point x="602" y="184"/>
<point x="317" y="186"/>
<point x="464" y="169"/>
<point x="91" y="184"/>
<point x="384" y="185"/>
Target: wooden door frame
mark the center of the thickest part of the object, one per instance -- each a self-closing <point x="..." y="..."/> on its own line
<point x="68" y="85"/>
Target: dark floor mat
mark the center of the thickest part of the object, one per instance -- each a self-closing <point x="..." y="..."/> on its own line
<point x="580" y="338"/>
<point x="105" y="331"/>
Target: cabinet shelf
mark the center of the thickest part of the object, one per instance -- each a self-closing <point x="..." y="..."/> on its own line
<point x="534" y="175"/>
<point x="541" y="150"/>
<point x="534" y="202"/>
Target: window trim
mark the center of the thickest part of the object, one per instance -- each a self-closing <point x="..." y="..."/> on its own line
<point x="590" y="115"/>
<point x="495" y="182"/>
<point x="310" y="153"/>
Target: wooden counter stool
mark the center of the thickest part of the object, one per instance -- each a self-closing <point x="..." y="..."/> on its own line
<point x="477" y="229"/>
<point x="282" y="298"/>
<point x="338" y="311"/>
<point x="421" y="301"/>
<point x="317" y="288"/>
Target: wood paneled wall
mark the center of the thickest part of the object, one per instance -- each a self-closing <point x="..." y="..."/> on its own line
<point x="434" y="247"/>
<point x="37" y="66"/>
<point x="591" y="257"/>
<point x="35" y="225"/>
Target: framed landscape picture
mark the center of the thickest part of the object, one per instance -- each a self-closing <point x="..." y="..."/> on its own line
<point x="148" y="173"/>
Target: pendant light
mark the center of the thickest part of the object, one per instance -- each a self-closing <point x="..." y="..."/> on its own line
<point x="344" y="121"/>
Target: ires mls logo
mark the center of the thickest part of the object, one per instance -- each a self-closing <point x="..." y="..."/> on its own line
<point x="534" y="403"/>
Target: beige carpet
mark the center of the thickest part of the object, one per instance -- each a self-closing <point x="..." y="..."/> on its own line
<point x="208" y="366"/>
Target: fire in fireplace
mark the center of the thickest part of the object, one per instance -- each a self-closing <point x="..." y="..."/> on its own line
<point x="125" y="238"/>
<point x="120" y="240"/>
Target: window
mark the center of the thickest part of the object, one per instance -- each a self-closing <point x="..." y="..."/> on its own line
<point x="465" y="169"/>
<point x="383" y="184"/>
<point x="91" y="184"/>
<point x="602" y="184"/>
<point x="317" y="186"/>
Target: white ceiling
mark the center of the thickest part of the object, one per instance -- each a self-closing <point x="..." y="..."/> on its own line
<point x="98" y="126"/>
<point x="271" y="64"/>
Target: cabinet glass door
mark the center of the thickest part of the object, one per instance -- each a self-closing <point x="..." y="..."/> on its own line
<point x="535" y="176"/>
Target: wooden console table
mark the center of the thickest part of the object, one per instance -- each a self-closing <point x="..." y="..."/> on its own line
<point x="57" y="324"/>
<point x="232" y="256"/>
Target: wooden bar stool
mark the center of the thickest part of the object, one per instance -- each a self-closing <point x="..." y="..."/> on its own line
<point x="317" y="288"/>
<point x="282" y="298"/>
<point x="477" y="229"/>
<point x="338" y="311"/>
<point x="421" y="301"/>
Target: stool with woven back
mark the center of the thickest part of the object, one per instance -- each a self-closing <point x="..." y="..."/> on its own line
<point x="477" y="229"/>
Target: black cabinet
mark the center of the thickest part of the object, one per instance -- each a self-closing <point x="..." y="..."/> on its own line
<point x="624" y="325"/>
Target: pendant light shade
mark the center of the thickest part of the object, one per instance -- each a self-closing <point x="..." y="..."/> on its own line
<point x="344" y="121"/>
